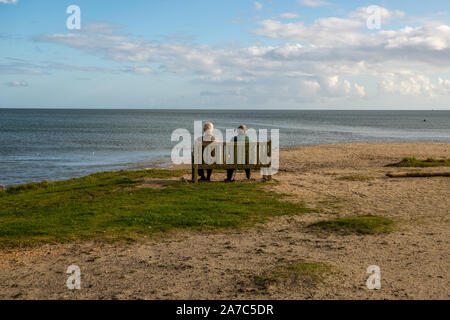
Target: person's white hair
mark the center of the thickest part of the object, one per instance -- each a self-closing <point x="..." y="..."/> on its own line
<point x="208" y="126"/>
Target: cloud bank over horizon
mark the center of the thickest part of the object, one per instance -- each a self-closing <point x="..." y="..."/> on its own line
<point x="324" y="62"/>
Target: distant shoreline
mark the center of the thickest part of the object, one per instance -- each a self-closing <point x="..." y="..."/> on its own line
<point x="165" y="162"/>
<point x="217" y="109"/>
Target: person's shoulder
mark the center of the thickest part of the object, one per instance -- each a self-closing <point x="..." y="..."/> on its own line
<point x="209" y="138"/>
<point x="236" y="138"/>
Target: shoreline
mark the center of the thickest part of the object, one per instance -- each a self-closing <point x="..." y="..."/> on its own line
<point x="165" y="163"/>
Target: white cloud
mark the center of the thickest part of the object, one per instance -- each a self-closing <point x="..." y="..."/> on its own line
<point x="20" y="66"/>
<point x="321" y="61"/>
<point x="101" y="27"/>
<point x="258" y="6"/>
<point x="289" y="15"/>
<point x="16" y="83"/>
<point x="333" y="87"/>
<point x="327" y="32"/>
<point x="360" y="90"/>
<point x="445" y="84"/>
<point x="347" y="39"/>
<point x="9" y="1"/>
<point x="385" y="14"/>
<point x="274" y="68"/>
<point x="410" y="83"/>
<point x="313" y="3"/>
<point x="139" y="70"/>
<point x="322" y="32"/>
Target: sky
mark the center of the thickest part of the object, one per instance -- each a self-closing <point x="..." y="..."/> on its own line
<point x="233" y="54"/>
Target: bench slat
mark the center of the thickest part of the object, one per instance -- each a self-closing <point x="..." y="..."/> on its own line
<point x="222" y="147"/>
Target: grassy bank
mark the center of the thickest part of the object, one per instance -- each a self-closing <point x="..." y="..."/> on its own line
<point x="358" y="225"/>
<point x="111" y="206"/>
<point x="413" y="162"/>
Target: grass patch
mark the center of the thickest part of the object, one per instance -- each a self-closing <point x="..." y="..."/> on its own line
<point x="358" y="225"/>
<point x="356" y="178"/>
<point x="109" y="205"/>
<point x="297" y="274"/>
<point x="417" y="174"/>
<point x="413" y="162"/>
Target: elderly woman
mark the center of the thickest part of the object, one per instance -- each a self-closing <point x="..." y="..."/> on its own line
<point x="208" y="136"/>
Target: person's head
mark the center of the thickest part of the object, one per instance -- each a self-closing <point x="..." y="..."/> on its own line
<point x="208" y="127"/>
<point x="242" y="129"/>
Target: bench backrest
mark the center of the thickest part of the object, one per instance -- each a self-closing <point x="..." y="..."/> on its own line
<point x="232" y="154"/>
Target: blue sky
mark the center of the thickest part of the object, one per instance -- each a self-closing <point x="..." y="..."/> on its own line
<point x="285" y="54"/>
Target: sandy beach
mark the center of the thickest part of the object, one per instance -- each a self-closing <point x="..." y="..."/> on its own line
<point x="341" y="180"/>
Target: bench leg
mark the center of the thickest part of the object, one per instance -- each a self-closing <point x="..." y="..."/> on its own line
<point x="194" y="174"/>
<point x="266" y="174"/>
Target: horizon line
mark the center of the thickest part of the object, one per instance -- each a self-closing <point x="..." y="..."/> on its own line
<point x="209" y="109"/>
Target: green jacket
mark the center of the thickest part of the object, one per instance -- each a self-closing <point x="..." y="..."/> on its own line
<point x="239" y="138"/>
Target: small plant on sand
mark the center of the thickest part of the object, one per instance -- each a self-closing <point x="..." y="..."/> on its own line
<point x="358" y="225"/>
<point x="356" y="178"/>
<point x="413" y="162"/>
<point x="299" y="274"/>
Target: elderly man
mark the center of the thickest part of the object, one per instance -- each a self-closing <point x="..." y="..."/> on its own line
<point x="208" y="136"/>
<point x="241" y="137"/>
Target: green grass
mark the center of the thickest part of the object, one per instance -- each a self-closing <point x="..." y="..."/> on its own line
<point x="314" y="269"/>
<point x="109" y="206"/>
<point x="413" y="162"/>
<point x="292" y="274"/>
<point x="358" y="225"/>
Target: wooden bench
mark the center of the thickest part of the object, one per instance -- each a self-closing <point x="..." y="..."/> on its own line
<point x="232" y="155"/>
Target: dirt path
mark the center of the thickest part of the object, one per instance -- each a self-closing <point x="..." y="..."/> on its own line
<point x="337" y="180"/>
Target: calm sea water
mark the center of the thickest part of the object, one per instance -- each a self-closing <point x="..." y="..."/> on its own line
<point x="60" y="144"/>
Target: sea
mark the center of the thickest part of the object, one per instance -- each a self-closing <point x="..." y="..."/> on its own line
<point x="56" y="144"/>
